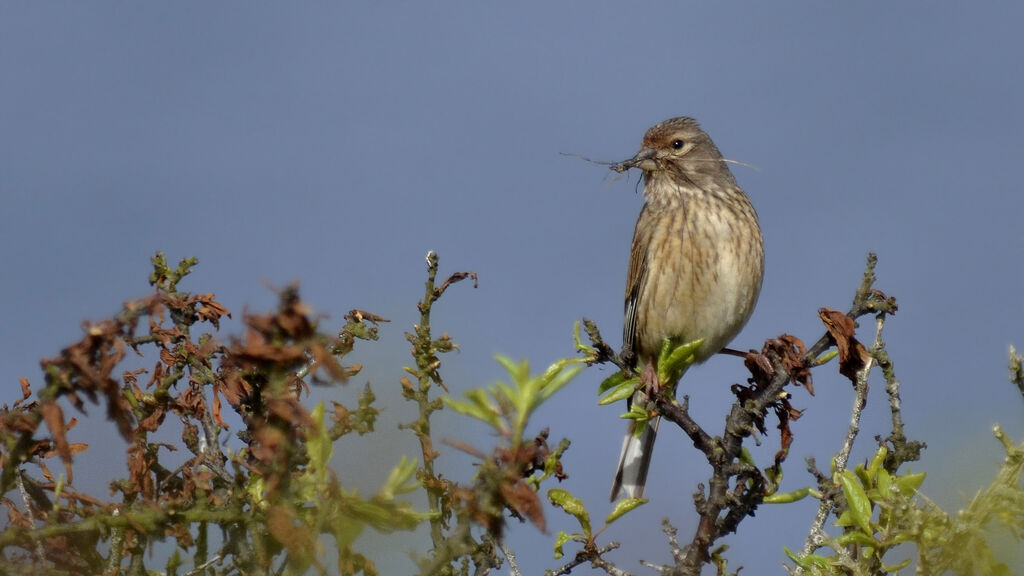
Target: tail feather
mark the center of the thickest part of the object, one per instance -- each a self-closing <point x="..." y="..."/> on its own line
<point x="635" y="460"/>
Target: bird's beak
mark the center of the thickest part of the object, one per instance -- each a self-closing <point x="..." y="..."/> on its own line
<point x="643" y="160"/>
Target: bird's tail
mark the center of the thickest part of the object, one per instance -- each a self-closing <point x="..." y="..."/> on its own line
<point x="635" y="460"/>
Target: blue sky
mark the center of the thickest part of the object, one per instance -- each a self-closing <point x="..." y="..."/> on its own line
<point x="335" y="143"/>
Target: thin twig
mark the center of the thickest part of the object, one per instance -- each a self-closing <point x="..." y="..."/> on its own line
<point x="595" y="560"/>
<point x="39" y="552"/>
<point x="900" y="450"/>
<point x="205" y="565"/>
<point x="816" y="536"/>
<point x="1017" y="370"/>
<point x="511" y="557"/>
<point x="722" y="509"/>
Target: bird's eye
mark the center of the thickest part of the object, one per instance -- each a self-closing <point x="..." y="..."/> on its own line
<point x="678" y="144"/>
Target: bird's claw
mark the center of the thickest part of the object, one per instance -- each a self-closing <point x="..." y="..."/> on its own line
<point x="649" y="383"/>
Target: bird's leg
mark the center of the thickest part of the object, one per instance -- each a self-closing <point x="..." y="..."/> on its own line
<point x="649" y="380"/>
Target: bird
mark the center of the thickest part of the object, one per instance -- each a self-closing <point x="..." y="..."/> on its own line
<point x="695" y="269"/>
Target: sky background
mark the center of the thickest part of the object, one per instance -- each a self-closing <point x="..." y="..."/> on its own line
<point x="336" y="143"/>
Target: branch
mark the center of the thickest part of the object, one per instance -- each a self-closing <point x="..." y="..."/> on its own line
<point x="816" y="536"/>
<point x="594" y="557"/>
<point x="1017" y="370"/>
<point x="901" y="450"/>
<point x="605" y="353"/>
<point x="782" y="361"/>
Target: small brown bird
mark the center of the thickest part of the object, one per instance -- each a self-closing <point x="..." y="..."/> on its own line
<point x="695" y="269"/>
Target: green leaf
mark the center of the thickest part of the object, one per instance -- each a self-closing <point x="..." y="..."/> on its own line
<point x="622" y="507"/>
<point x="559" y="381"/>
<point x="774" y="476"/>
<point x="589" y="353"/>
<point x="862" y="475"/>
<point x="474" y="409"/>
<point x="550" y="466"/>
<point x="859" y="504"/>
<point x="611" y="382"/>
<point x="746" y="457"/>
<point x="845" y="520"/>
<point x="637" y="414"/>
<point x="254" y="489"/>
<point x="673" y="361"/>
<point x="683" y="352"/>
<point x="319" y="446"/>
<point x="623" y="391"/>
<point x="909" y="484"/>
<point x="507" y="408"/>
<point x="877" y="460"/>
<point x="572" y="506"/>
<point x="857" y="537"/>
<point x="811" y="562"/>
<point x="510" y="365"/>
<point x="884" y="483"/>
<point x="398" y="481"/>
<point x="826" y="357"/>
<point x="560" y="541"/>
<point x="897" y="567"/>
<point x="787" y="497"/>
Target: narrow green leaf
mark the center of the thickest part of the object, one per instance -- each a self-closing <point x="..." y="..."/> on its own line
<point x="319" y="446"/>
<point x="884" y="483"/>
<point x="774" y="476"/>
<point x="465" y="408"/>
<point x="560" y="381"/>
<point x="611" y="382"/>
<point x="572" y="506"/>
<point x="862" y="475"/>
<point x="503" y="390"/>
<point x="666" y="349"/>
<point x="845" y="520"/>
<point x="398" y="481"/>
<point x="897" y="567"/>
<point x="510" y="365"/>
<point x="909" y="484"/>
<point x="623" y="391"/>
<point x="474" y="410"/>
<point x="622" y="507"/>
<point x="857" y="537"/>
<point x="877" y="460"/>
<point x="578" y="342"/>
<point x="560" y="541"/>
<point x="638" y="414"/>
<point x="859" y="504"/>
<point x="787" y="497"/>
<point x="810" y="561"/>
<point x="824" y="358"/>
<point x="674" y="360"/>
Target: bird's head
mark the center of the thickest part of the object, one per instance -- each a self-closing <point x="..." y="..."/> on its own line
<point x="678" y="146"/>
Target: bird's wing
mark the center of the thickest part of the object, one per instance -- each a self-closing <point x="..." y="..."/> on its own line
<point x="635" y="281"/>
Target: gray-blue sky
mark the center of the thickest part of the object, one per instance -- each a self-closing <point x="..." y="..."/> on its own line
<point x="337" y="143"/>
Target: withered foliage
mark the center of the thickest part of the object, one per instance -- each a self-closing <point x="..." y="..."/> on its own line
<point x="737" y="487"/>
<point x="256" y="494"/>
<point x="790" y="354"/>
<point x="853" y="356"/>
<point x="502" y="483"/>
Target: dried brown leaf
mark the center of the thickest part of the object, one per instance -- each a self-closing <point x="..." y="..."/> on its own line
<point x="54" y="418"/>
<point x="853" y="356"/>
<point x="215" y="410"/>
<point x="524" y="501"/>
<point x="293" y="535"/>
<point x="356" y="315"/>
<point x="26" y="390"/>
<point x="210" y="309"/>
